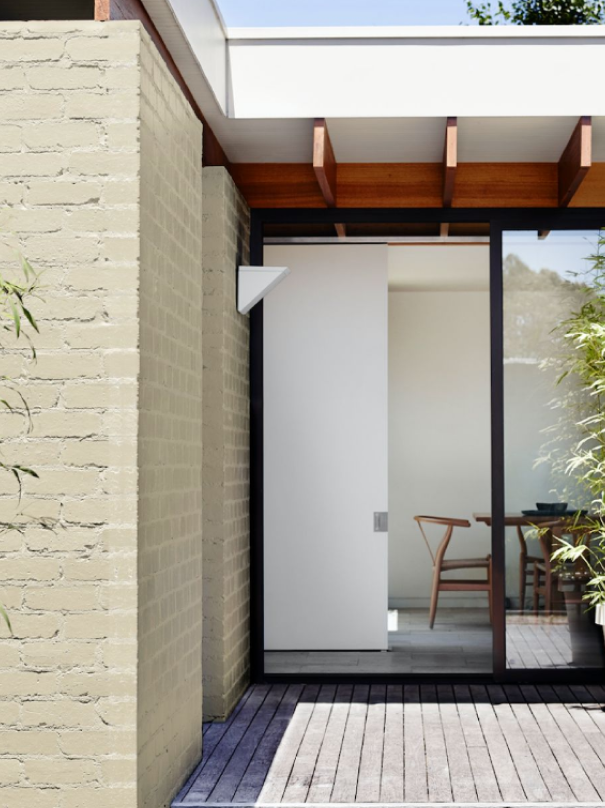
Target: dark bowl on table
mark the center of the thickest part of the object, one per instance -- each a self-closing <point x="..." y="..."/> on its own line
<point x="552" y="507"/>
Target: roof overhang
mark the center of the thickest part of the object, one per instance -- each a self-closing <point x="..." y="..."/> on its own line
<point x="385" y="95"/>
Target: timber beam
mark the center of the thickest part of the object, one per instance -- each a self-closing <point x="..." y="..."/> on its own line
<point x="415" y="185"/>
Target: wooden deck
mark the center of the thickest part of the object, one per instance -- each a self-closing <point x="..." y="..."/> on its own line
<point x="439" y="744"/>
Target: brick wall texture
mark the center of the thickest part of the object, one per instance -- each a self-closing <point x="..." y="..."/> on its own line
<point x="170" y="435"/>
<point x="100" y="686"/>
<point x="226" y="467"/>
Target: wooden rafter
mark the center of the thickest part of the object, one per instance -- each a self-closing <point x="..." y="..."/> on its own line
<point x="450" y="161"/>
<point x="324" y="162"/>
<point x="575" y="161"/>
<point x="324" y="166"/>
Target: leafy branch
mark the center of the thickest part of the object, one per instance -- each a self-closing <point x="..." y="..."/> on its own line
<point x="16" y="320"/>
<point x="538" y="12"/>
<point x="584" y="367"/>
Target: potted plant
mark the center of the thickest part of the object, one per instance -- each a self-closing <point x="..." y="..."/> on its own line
<point x="584" y="337"/>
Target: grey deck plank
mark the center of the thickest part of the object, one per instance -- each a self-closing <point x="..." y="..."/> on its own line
<point x="345" y="783"/>
<point x="546" y="761"/>
<point x="534" y="786"/>
<point x="329" y="755"/>
<point x="502" y="762"/>
<point x="438" y="772"/>
<point x="592" y="763"/>
<point x="303" y="769"/>
<point x="217" y="729"/>
<point x="370" y="765"/>
<point x="461" y="777"/>
<point x="231" y="777"/>
<point x="484" y="775"/>
<point x="224" y="749"/>
<point x="254" y="778"/>
<point x="586" y="712"/>
<point x="279" y="773"/>
<point x="557" y="739"/>
<point x="415" y="783"/>
<point x="391" y="784"/>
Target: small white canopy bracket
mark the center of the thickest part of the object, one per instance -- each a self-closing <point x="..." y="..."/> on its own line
<point x="254" y="283"/>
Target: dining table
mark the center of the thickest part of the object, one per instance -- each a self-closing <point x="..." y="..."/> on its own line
<point x="530" y="565"/>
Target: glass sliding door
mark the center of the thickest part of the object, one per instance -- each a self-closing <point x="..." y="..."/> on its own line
<point x="548" y="277"/>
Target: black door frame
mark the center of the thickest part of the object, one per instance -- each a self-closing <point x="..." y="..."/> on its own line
<point x="499" y="220"/>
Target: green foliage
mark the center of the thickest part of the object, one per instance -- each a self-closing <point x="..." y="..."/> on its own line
<point x="16" y="321"/>
<point x="539" y="12"/>
<point x="584" y="333"/>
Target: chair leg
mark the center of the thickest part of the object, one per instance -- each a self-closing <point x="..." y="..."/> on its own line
<point x="548" y="593"/>
<point x="434" y="596"/>
<point x="490" y="592"/>
<point x="536" y="589"/>
<point x="522" y="582"/>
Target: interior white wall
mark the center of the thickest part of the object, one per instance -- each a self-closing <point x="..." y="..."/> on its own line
<point x="439" y="410"/>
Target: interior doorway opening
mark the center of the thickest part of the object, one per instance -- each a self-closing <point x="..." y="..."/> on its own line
<point x="377" y="399"/>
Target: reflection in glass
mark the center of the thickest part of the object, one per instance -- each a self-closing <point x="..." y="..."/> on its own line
<point x="545" y="281"/>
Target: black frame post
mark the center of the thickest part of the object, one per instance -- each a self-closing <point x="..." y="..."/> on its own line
<point x="257" y="472"/>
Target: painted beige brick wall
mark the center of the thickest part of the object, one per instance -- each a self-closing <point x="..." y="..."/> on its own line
<point x="101" y="606"/>
<point x="170" y="436"/>
<point x="226" y="473"/>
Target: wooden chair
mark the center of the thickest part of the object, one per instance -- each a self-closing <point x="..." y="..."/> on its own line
<point x="546" y="576"/>
<point x="440" y="565"/>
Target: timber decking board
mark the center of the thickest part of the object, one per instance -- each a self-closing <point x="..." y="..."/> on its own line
<point x="405" y="744"/>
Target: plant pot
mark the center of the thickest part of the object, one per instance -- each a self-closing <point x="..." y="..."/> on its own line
<point x="599" y="616"/>
<point x="586" y="634"/>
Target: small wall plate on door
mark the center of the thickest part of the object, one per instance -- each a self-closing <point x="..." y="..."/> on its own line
<point x="381" y="522"/>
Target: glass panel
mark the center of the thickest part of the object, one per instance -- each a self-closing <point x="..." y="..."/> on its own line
<point x="437" y="367"/>
<point x="547" y="279"/>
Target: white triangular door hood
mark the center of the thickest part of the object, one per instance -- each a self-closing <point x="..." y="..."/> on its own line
<point x="254" y="283"/>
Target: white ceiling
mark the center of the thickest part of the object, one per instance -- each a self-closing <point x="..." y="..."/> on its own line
<point x="439" y="268"/>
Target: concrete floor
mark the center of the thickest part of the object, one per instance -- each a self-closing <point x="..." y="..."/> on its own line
<point x="460" y="642"/>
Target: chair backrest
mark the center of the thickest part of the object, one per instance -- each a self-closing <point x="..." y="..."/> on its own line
<point x="449" y="524"/>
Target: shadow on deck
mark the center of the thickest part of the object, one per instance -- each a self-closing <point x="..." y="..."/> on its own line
<point x="441" y="744"/>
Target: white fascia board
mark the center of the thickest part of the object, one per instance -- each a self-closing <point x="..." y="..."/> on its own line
<point x="570" y="32"/>
<point x="195" y="35"/>
<point x="255" y="283"/>
<point x="476" y="72"/>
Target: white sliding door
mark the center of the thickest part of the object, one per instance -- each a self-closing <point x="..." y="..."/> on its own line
<point x="326" y="430"/>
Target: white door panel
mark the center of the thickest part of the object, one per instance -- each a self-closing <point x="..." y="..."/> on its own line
<point x="326" y="413"/>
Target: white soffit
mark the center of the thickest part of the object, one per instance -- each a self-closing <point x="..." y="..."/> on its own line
<point x="387" y="140"/>
<point x="406" y="140"/>
<point x="267" y="141"/>
<point x="426" y="268"/>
